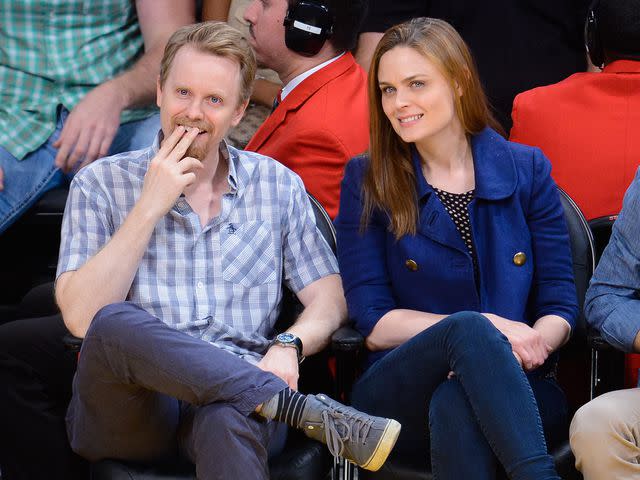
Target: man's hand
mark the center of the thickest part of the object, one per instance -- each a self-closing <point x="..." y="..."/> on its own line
<point x="169" y="173"/>
<point x="89" y="129"/>
<point x="283" y="362"/>
<point x="528" y="345"/>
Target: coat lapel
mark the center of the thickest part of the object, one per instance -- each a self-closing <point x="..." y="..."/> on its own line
<point x="298" y="97"/>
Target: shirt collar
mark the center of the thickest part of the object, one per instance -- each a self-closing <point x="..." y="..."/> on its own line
<point x="622" y="66"/>
<point x="229" y="155"/>
<point x="288" y="88"/>
<point x="494" y="167"/>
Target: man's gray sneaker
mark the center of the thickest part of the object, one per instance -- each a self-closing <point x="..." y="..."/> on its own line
<point x="360" y="438"/>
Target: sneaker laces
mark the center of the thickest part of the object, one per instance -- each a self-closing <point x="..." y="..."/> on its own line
<point x="355" y="430"/>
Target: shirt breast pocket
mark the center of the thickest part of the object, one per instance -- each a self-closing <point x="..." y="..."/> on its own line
<point x="248" y="256"/>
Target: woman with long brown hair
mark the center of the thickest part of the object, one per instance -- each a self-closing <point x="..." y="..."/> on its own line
<point x="456" y="266"/>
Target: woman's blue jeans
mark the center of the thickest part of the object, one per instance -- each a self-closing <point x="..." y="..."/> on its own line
<point x="469" y="425"/>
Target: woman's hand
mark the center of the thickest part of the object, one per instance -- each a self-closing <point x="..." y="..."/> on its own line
<point x="529" y="346"/>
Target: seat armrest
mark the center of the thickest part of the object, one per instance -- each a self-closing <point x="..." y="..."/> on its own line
<point x="346" y="339"/>
<point x="71" y="343"/>
<point x="596" y="341"/>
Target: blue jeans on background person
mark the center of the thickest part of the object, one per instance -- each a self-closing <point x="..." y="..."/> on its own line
<point x="25" y="181"/>
<point x="466" y="426"/>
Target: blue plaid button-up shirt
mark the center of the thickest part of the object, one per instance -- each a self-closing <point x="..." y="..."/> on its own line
<point x="221" y="283"/>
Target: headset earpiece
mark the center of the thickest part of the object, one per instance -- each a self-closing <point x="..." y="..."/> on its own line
<point x="308" y="25"/>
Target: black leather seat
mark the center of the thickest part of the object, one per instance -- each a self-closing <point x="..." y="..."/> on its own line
<point x="29" y="251"/>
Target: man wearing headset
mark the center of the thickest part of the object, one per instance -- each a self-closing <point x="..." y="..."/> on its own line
<point x="589" y="123"/>
<point x="321" y="117"/>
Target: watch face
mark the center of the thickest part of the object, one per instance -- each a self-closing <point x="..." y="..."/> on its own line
<point x="285" y="337"/>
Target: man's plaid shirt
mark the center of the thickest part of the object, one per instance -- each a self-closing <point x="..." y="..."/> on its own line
<point x="223" y="282"/>
<point x="53" y="52"/>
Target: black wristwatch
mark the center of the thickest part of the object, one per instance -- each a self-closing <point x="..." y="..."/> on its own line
<point x="287" y="339"/>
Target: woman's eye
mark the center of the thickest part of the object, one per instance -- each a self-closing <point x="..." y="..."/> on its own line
<point x="417" y="84"/>
<point x="388" y="90"/>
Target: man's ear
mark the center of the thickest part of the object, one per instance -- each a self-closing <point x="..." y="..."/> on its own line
<point x="239" y="112"/>
<point x="158" y="92"/>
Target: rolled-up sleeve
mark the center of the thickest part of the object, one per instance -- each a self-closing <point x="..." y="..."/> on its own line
<point x="362" y="254"/>
<point x="86" y="225"/>
<point x="612" y="305"/>
<point x="306" y="255"/>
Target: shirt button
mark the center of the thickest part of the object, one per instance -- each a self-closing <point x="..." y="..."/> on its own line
<point x="200" y="285"/>
<point x="411" y="265"/>
<point x="519" y="259"/>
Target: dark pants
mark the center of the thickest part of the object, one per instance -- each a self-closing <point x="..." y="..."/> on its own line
<point x="35" y="388"/>
<point x="467" y="426"/>
<point x="144" y="391"/>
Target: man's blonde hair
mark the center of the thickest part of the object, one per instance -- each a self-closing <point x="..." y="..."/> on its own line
<point x="216" y="38"/>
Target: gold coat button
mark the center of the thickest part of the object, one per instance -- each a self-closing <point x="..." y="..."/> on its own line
<point x="411" y="265"/>
<point x="519" y="259"/>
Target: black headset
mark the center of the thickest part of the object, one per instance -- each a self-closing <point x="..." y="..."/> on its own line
<point x="308" y="25"/>
<point x="592" y="40"/>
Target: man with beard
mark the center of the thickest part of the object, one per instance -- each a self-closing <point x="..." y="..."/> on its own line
<point x="321" y="119"/>
<point x="171" y="265"/>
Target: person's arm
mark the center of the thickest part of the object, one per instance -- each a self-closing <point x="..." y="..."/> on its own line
<point x="217" y="10"/>
<point x="265" y="92"/>
<point x="107" y="276"/>
<point x="93" y="123"/>
<point x="325" y="311"/>
<point x="612" y="305"/>
<point x="553" y="294"/>
<point x="367" y="43"/>
<point x="310" y="270"/>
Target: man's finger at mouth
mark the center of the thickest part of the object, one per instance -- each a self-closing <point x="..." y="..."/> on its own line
<point x="181" y="147"/>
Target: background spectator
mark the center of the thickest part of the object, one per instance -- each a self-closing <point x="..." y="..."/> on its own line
<point x="321" y="120"/>
<point x="77" y="83"/>
<point x="589" y="124"/>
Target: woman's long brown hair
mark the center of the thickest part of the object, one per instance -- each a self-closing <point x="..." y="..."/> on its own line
<point x="390" y="182"/>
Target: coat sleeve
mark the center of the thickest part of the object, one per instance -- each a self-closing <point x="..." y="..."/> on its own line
<point x="361" y="254"/>
<point x="612" y="305"/>
<point x="553" y="289"/>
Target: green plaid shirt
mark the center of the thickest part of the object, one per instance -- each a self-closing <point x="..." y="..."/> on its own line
<point x="53" y="52"/>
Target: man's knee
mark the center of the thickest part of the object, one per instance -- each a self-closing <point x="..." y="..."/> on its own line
<point x="597" y="422"/>
<point x="114" y="319"/>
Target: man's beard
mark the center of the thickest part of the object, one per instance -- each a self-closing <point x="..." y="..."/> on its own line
<point x="198" y="152"/>
<point x="198" y="149"/>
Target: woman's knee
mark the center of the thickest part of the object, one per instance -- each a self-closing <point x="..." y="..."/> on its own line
<point x="448" y="399"/>
<point x="471" y="326"/>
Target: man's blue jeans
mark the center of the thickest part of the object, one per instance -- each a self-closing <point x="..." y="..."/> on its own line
<point x="470" y="424"/>
<point x="144" y="391"/>
<point x="25" y="181"/>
